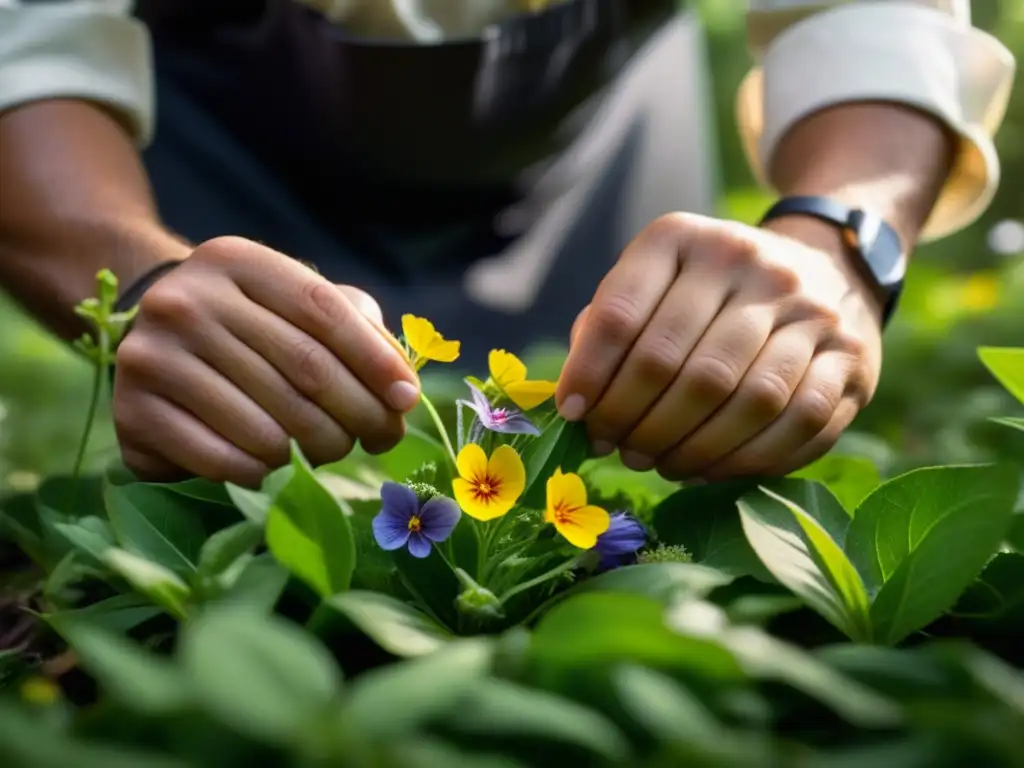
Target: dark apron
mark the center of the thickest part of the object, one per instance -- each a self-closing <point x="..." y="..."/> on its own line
<point x="487" y="183"/>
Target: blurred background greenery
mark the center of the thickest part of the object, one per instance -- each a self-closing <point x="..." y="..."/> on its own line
<point x="935" y="397"/>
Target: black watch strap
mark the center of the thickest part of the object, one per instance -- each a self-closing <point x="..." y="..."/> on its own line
<point x="132" y="295"/>
<point x="870" y="236"/>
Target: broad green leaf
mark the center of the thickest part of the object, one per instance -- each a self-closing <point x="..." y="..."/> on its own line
<point x="135" y="677"/>
<point x="920" y="539"/>
<point x="1008" y="421"/>
<point x="504" y="710"/>
<point x="20" y="523"/>
<point x="764" y="657"/>
<point x="261" y="675"/>
<point x="308" y="532"/>
<point x="201" y="490"/>
<point x="156" y="524"/>
<point x="90" y="535"/>
<point x="596" y="629"/>
<point x="1015" y="536"/>
<point x="255" y="505"/>
<point x="226" y="546"/>
<point x="849" y="478"/>
<point x="396" y="627"/>
<point x="397" y="700"/>
<point x="817" y="501"/>
<point x="258" y="586"/>
<point x="1007" y="365"/>
<point x="665" y="582"/>
<point x="118" y="614"/>
<point x="72" y="497"/>
<point x="416" y="449"/>
<point x="161" y="585"/>
<point x="994" y="602"/>
<point x="564" y="445"/>
<point x="616" y="485"/>
<point x="704" y="519"/>
<point x="802" y="555"/>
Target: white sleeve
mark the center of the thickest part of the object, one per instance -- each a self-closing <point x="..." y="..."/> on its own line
<point x="813" y="54"/>
<point x="78" y="49"/>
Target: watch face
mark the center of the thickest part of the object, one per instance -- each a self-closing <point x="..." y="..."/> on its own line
<point x="881" y="248"/>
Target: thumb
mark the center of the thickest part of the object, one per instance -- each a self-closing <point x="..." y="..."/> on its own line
<point x="364" y="302"/>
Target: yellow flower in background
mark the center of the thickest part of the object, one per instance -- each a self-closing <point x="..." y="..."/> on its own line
<point x="981" y="292"/>
<point x="509" y="374"/>
<point x="488" y="488"/>
<point x="40" y="692"/>
<point x="580" y="523"/>
<point x="426" y="343"/>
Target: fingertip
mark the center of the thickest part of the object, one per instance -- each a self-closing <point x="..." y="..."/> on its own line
<point x="403" y="396"/>
<point x="573" y="407"/>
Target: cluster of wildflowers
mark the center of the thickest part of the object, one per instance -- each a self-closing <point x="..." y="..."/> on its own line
<point x="496" y="424"/>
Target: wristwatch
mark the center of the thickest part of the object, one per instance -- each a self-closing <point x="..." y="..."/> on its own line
<point x="867" y="235"/>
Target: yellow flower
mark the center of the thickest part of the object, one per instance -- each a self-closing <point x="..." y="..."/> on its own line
<point x="509" y="374"/>
<point x="40" y="691"/>
<point x="488" y="488"/>
<point x="580" y="523"/>
<point x="426" y="343"/>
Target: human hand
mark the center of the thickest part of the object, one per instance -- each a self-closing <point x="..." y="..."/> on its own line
<point x="715" y="350"/>
<point x="241" y="348"/>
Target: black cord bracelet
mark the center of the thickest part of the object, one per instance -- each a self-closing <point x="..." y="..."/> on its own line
<point x="132" y="295"/>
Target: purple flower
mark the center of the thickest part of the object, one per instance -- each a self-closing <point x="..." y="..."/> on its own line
<point x="507" y="420"/>
<point x="402" y="521"/>
<point x="619" y="544"/>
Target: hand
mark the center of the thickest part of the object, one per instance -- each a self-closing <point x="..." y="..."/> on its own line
<point x="241" y="348"/>
<point x="714" y="350"/>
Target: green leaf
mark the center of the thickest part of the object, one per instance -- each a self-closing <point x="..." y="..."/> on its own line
<point x="226" y="546"/>
<point x="396" y="627"/>
<point x="564" y="445"/>
<point x="802" y="555"/>
<point x="260" y="675"/>
<point x="258" y="586"/>
<point x="704" y="519"/>
<point x="118" y="614"/>
<point x="1015" y="536"/>
<point x="90" y="535"/>
<point x="1007" y="421"/>
<point x="849" y="478"/>
<point x="201" y="490"/>
<point x="156" y="524"/>
<point x="498" y="708"/>
<point x="135" y="677"/>
<point x="665" y="582"/>
<point x="20" y="523"/>
<point x="921" y="538"/>
<point x="309" y="533"/>
<point x="994" y="603"/>
<point x="416" y="449"/>
<point x="159" y="584"/>
<point x="397" y="700"/>
<point x="596" y="629"/>
<point x="255" y="505"/>
<point x="1007" y="365"/>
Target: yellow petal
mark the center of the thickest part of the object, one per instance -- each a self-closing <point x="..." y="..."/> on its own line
<point x="471" y="462"/>
<point x="480" y="509"/>
<point x="506" y="466"/>
<point x="566" y="491"/>
<point x="584" y="526"/>
<point x="529" y="394"/>
<point x="506" y="368"/>
<point x="426" y="342"/>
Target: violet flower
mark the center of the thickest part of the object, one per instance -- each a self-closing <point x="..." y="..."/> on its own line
<point x="620" y="543"/>
<point x="506" y="420"/>
<point x="403" y="521"/>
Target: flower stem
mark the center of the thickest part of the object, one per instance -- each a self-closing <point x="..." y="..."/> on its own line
<point x="556" y="571"/>
<point x="97" y="385"/>
<point x="436" y="417"/>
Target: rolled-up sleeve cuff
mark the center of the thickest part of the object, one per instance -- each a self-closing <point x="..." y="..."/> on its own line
<point x="73" y="50"/>
<point x="905" y="54"/>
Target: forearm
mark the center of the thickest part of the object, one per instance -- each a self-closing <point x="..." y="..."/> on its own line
<point x="75" y="200"/>
<point x="886" y="158"/>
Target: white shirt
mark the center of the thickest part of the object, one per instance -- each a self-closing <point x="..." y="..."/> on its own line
<point x="808" y="55"/>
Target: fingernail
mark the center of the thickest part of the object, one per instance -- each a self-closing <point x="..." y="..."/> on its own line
<point x="573" y="408"/>
<point x="602" y="448"/>
<point x="403" y="396"/>
<point x="637" y="461"/>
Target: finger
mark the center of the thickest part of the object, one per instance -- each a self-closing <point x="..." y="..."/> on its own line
<point x="707" y="379"/>
<point x="152" y="425"/>
<point x="320" y="437"/>
<point x="823" y="442"/>
<point x="165" y="369"/>
<point x="309" y="302"/>
<point x="364" y="302"/>
<point x="760" y="398"/>
<point x="812" y="408"/>
<point x="317" y="374"/>
<point x="151" y="469"/>
<point x="623" y="304"/>
<point x="686" y="312"/>
<point x="581" y="318"/>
